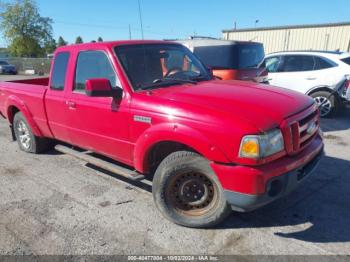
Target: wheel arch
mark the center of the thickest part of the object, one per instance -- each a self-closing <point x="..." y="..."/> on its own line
<point x="170" y="138"/>
<point x="15" y="105"/>
<point x="319" y="88"/>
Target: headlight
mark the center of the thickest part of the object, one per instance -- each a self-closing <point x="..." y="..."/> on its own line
<point x="260" y="146"/>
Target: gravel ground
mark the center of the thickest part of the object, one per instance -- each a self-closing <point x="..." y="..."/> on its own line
<point x="18" y="77"/>
<point x="54" y="204"/>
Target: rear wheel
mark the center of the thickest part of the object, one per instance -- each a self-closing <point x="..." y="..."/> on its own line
<point x="27" y="141"/>
<point x="187" y="192"/>
<point x="327" y="102"/>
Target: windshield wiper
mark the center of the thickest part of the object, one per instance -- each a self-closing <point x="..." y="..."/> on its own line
<point x="167" y="82"/>
<point x="253" y="66"/>
<point x="201" y="78"/>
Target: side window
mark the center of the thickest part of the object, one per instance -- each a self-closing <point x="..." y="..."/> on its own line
<point x="272" y="64"/>
<point x="59" y="71"/>
<point x="323" y="63"/>
<point x="298" y="63"/>
<point x="90" y="65"/>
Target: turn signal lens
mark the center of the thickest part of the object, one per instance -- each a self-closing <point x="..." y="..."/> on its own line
<point x="261" y="146"/>
<point x="250" y="147"/>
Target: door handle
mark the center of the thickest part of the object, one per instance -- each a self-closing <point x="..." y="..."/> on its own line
<point x="311" y="78"/>
<point x="71" y="105"/>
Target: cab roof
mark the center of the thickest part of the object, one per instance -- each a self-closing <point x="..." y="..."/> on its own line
<point x="110" y="44"/>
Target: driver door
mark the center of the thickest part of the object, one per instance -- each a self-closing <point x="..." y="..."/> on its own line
<point x="97" y="123"/>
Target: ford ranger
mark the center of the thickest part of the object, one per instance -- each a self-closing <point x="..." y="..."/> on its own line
<point x="157" y="113"/>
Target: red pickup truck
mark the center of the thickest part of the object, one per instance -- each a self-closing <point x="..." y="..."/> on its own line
<point x="207" y="145"/>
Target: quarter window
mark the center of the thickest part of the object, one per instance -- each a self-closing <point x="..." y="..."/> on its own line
<point x="346" y="60"/>
<point x="90" y="65"/>
<point x="323" y="63"/>
<point x="59" y="72"/>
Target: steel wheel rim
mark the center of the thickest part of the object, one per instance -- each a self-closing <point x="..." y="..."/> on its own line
<point x="324" y="104"/>
<point x="192" y="194"/>
<point x="23" y="134"/>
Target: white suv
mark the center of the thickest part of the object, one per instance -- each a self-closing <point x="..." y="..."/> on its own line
<point x="319" y="74"/>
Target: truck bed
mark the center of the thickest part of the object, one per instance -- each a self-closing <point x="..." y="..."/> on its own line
<point x="44" y="81"/>
<point x="27" y="93"/>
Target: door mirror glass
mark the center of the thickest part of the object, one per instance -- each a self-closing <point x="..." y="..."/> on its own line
<point x="101" y="87"/>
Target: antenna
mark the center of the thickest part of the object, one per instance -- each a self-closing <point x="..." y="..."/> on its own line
<point x="256" y="23"/>
<point x="130" y="32"/>
<point x="140" y="14"/>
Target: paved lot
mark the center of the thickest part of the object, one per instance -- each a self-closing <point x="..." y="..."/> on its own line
<point x="17" y="77"/>
<point x="54" y="204"/>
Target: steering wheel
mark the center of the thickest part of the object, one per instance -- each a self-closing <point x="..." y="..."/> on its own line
<point x="173" y="70"/>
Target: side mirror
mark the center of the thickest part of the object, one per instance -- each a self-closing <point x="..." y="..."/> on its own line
<point x="210" y="70"/>
<point x="101" y="87"/>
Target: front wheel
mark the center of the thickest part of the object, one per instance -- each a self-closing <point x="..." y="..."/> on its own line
<point x="327" y="102"/>
<point x="187" y="191"/>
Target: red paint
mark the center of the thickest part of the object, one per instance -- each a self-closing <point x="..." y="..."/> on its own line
<point x="252" y="180"/>
<point x="35" y="81"/>
<point x="210" y="117"/>
<point x="98" y="85"/>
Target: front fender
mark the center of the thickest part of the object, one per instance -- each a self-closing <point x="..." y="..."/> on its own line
<point x="170" y="132"/>
<point x="14" y="101"/>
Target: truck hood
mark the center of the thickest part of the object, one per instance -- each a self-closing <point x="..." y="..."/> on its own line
<point x="263" y="106"/>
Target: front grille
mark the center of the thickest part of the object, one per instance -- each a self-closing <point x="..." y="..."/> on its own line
<point x="299" y="131"/>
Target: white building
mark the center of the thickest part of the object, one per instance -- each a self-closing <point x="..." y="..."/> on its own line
<point x="328" y="37"/>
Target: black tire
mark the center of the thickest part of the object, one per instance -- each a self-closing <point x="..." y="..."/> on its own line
<point x="181" y="171"/>
<point x="31" y="143"/>
<point x="331" y="105"/>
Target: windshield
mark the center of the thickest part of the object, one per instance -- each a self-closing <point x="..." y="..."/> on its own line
<point x="155" y="65"/>
<point x="236" y="56"/>
<point x="3" y="63"/>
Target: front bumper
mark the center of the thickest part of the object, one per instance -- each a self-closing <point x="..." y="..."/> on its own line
<point x="275" y="188"/>
<point x="247" y="188"/>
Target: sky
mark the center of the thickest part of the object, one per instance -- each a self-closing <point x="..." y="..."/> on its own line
<point x="164" y="19"/>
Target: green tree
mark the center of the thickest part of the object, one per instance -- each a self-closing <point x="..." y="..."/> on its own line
<point x="61" y="42"/>
<point x="79" y="40"/>
<point x="99" y="39"/>
<point x="26" y="47"/>
<point x="50" y="46"/>
<point x="24" y="28"/>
